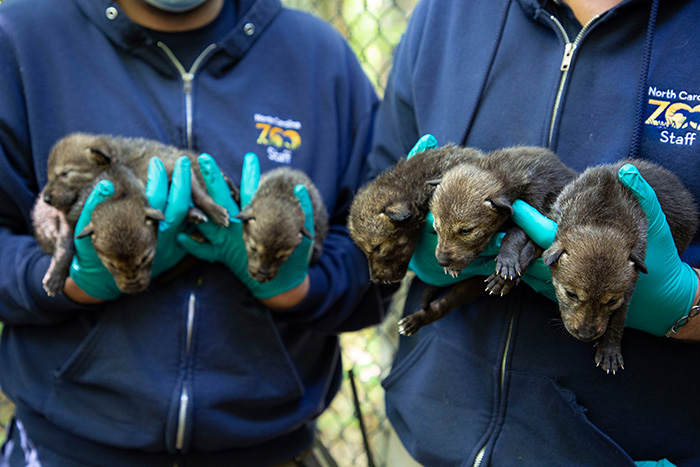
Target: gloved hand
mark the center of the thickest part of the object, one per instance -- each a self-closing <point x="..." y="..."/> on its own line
<point x="425" y="265"/>
<point x="666" y="293"/>
<point x="662" y="296"/>
<point x="174" y="203"/>
<point x="87" y="271"/>
<point x="226" y="243"/>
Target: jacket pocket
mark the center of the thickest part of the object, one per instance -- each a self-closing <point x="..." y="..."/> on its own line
<point x="544" y="425"/>
<point x="82" y="352"/>
<point x="120" y="375"/>
<point x="446" y="403"/>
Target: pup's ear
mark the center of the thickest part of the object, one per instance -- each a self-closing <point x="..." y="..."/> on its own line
<point x="87" y="231"/>
<point x="399" y="211"/>
<point x="500" y="204"/>
<point x="552" y="254"/>
<point x="99" y="156"/>
<point x="154" y="214"/>
<point x="245" y="215"/>
<point x="638" y="263"/>
<point x="435" y="182"/>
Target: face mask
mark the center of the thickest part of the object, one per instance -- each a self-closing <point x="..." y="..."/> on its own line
<point x="175" y="5"/>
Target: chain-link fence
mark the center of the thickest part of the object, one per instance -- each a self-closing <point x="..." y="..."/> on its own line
<point x="373" y="28"/>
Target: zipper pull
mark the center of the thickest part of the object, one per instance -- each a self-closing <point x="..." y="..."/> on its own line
<point x="568" y="55"/>
<point x="187" y="79"/>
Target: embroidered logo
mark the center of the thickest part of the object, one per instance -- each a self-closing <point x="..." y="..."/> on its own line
<point x="676" y="113"/>
<point x="281" y="137"/>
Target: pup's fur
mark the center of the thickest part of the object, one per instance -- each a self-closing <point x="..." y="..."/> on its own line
<point x="387" y="214"/>
<point x="471" y="203"/>
<point x="123" y="228"/>
<point x="474" y="200"/>
<point x="78" y="158"/>
<point x="600" y="247"/>
<point x="273" y="222"/>
<point x="385" y="221"/>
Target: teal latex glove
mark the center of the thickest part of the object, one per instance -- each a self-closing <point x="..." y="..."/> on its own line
<point x="226" y="243"/>
<point x="666" y="293"/>
<point x="661" y="463"/>
<point x="542" y="231"/>
<point x="87" y="271"/>
<point x="662" y="296"/>
<point x="424" y="143"/>
<point x="539" y="228"/>
<point x="174" y="203"/>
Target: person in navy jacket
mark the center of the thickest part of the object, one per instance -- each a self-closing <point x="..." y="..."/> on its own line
<point x="499" y="382"/>
<point x="204" y="367"/>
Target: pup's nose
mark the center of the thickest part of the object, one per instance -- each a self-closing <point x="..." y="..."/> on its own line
<point x="443" y="259"/>
<point x="264" y="270"/>
<point x="586" y="334"/>
<point x="47" y="198"/>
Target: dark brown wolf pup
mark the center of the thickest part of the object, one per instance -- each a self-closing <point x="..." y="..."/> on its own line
<point x="273" y="222"/>
<point x="600" y="247"/>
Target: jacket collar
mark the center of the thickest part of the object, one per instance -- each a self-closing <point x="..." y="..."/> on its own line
<point x="254" y="16"/>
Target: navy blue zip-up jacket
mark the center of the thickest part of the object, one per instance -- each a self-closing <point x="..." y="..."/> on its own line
<point x="195" y="364"/>
<point x="500" y="382"/>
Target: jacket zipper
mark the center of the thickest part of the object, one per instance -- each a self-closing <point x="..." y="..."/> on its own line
<point x="569" y="49"/>
<point x="480" y="455"/>
<point x="187" y="79"/>
<point x="185" y="394"/>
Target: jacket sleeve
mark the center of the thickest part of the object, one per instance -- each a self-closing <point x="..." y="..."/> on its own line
<point x="341" y="297"/>
<point x="23" y="263"/>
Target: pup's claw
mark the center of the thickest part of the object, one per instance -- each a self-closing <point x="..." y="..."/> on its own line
<point x="411" y="323"/>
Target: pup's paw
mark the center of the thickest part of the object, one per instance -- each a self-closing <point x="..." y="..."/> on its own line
<point x="53" y="283"/>
<point x="508" y="266"/>
<point x="196" y="216"/>
<point x="497" y="285"/>
<point x="411" y="323"/>
<point x="452" y="272"/>
<point x="609" y="358"/>
<point x="219" y="215"/>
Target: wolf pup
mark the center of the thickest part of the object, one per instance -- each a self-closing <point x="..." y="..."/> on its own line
<point x="471" y="203"/>
<point x="600" y="246"/>
<point x="387" y="214"/>
<point x="78" y="158"/>
<point x="385" y="221"/>
<point x="474" y="200"/>
<point x="273" y="222"/>
<point x="124" y="231"/>
<point x="76" y="163"/>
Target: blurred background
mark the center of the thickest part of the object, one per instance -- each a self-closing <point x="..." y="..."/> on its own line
<point x="373" y="28"/>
